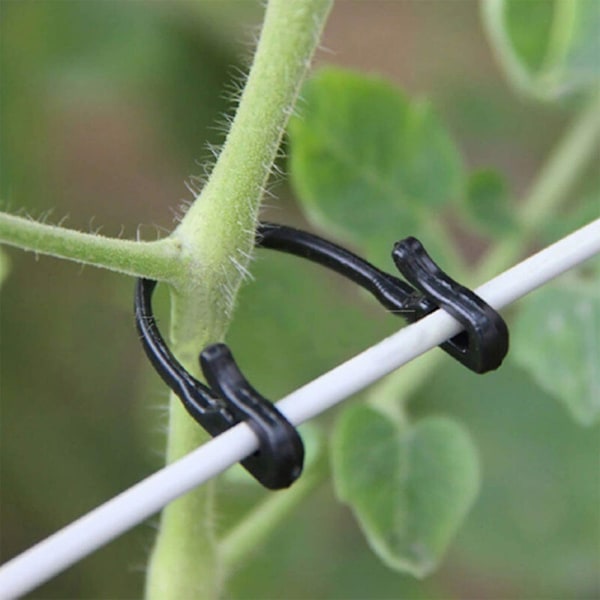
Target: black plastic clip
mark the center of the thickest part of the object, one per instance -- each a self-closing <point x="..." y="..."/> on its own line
<point x="229" y="400"/>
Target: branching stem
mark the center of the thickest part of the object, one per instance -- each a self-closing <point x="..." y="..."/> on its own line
<point x="205" y="260"/>
<point x="155" y="260"/>
<point x="217" y="238"/>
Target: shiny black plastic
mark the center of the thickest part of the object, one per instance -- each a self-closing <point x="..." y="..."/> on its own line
<point x="229" y="398"/>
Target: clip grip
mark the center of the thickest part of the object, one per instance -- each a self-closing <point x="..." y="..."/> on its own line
<point x="228" y="400"/>
<point x="278" y="461"/>
<point x="484" y="343"/>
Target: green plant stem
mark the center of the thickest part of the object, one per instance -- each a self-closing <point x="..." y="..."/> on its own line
<point x="558" y="175"/>
<point x="220" y="226"/>
<point x="155" y="260"/>
<point x="263" y="519"/>
<point x="564" y="165"/>
<point x="217" y="238"/>
<point x="494" y="22"/>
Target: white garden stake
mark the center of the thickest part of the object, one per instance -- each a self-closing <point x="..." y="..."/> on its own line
<point x="90" y="532"/>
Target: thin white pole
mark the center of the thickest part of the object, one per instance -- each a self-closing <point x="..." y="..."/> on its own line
<point x="416" y="339"/>
<point x="131" y="507"/>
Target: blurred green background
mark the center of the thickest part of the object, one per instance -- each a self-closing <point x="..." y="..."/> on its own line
<point x="106" y="107"/>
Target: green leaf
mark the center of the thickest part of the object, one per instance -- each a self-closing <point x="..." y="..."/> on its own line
<point x="556" y="338"/>
<point x="369" y="164"/>
<point x="547" y="48"/>
<point x="410" y="486"/>
<point x="4" y="266"/>
<point x="487" y="203"/>
<point x="534" y="527"/>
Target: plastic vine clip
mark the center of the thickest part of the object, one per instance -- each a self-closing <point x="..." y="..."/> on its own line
<point x="228" y="398"/>
<point x="481" y="347"/>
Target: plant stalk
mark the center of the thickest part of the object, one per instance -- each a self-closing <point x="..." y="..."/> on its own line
<point x="217" y="239"/>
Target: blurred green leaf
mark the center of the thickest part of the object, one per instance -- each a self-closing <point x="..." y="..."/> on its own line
<point x="410" y="486"/>
<point x="547" y="48"/>
<point x="487" y="203"/>
<point x="529" y="26"/>
<point x="296" y="320"/>
<point x="533" y="531"/>
<point x="368" y="163"/>
<point x="556" y="338"/>
<point x="4" y="266"/>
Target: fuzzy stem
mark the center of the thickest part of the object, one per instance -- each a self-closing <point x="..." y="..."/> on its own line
<point x="155" y="260"/>
<point x="220" y="225"/>
<point x="217" y="238"/>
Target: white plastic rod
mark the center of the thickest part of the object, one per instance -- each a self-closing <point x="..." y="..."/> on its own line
<point x="115" y="517"/>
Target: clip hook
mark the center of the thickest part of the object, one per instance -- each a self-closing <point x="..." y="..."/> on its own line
<point x="229" y="400"/>
<point x="483" y="345"/>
